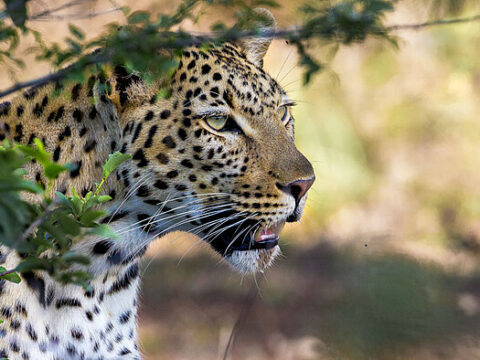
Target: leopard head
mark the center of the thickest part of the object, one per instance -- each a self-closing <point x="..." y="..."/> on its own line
<point x="217" y="158"/>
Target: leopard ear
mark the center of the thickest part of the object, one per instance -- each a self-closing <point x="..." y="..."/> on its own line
<point x="255" y="48"/>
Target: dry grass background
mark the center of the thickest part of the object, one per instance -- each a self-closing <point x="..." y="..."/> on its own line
<point x="384" y="264"/>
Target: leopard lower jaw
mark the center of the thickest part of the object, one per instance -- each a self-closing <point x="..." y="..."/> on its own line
<point x="265" y="238"/>
<point x="253" y="261"/>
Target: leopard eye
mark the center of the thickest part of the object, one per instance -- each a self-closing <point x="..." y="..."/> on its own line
<point x="284" y="113"/>
<point x="217" y="122"/>
<point x="223" y="123"/>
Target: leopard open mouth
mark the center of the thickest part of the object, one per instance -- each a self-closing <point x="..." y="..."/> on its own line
<point x="249" y="235"/>
<point x="264" y="238"/>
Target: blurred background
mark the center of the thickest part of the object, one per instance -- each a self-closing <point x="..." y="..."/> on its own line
<point x="385" y="262"/>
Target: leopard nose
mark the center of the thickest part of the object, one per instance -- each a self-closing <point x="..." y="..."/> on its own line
<point x="297" y="188"/>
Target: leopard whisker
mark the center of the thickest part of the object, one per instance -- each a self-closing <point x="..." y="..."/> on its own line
<point x="128" y="195"/>
<point x="287" y="73"/>
<point x="214" y="230"/>
<point x="137" y="225"/>
<point x="195" y="231"/>
<point x="192" y="246"/>
<point x="218" y="205"/>
<point x="283" y="64"/>
<point x="235" y="238"/>
<point x="204" y="239"/>
<point x="150" y="238"/>
<point x="168" y="211"/>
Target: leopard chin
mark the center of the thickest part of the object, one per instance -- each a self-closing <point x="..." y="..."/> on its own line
<point x="252" y="261"/>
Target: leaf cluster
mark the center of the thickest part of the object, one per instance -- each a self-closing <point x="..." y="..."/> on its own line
<point x="151" y="45"/>
<point x="339" y="23"/>
<point x="44" y="232"/>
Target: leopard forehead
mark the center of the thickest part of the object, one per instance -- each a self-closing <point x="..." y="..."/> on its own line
<point x="229" y="78"/>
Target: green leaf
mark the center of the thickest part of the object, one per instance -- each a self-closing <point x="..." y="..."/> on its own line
<point x="114" y="161"/>
<point x="125" y="10"/>
<point x="53" y="170"/>
<point x="164" y="93"/>
<point x="20" y="185"/>
<point x="75" y="194"/>
<point x="66" y="223"/>
<point x="32" y="264"/>
<point x="63" y="200"/>
<point x="89" y="217"/>
<point x="88" y="196"/>
<point x="104" y="230"/>
<point x="73" y="257"/>
<point x="76" y="202"/>
<point x="103" y="198"/>
<point x="138" y="17"/>
<point x="75" y="31"/>
<point x="37" y="153"/>
<point x="12" y="277"/>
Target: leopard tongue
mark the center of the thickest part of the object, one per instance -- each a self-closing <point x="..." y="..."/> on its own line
<point x="269" y="233"/>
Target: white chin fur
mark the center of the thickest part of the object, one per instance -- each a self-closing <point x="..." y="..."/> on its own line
<point x="251" y="261"/>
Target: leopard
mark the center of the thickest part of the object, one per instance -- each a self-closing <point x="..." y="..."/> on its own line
<point x="216" y="158"/>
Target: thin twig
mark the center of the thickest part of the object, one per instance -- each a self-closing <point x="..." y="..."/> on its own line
<point x="96" y="59"/>
<point x="67" y="5"/>
<point x="38" y="221"/>
<point x="438" y="22"/>
<point x="35" y="82"/>
<point x="247" y="305"/>
<point x="90" y="15"/>
<point x="59" y="8"/>
<point x="7" y="272"/>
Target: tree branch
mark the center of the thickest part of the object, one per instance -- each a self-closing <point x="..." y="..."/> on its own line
<point x="43" y="13"/>
<point x="35" y="82"/>
<point x="38" y="221"/>
<point x="242" y="316"/>
<point x="88" y="15"/>
<point x="438" y="22"/>
<point x="7" y="272"/>
<point x="59" y="8"/>
<point x="197" y="38"/>
<point x="59" y="75"/>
